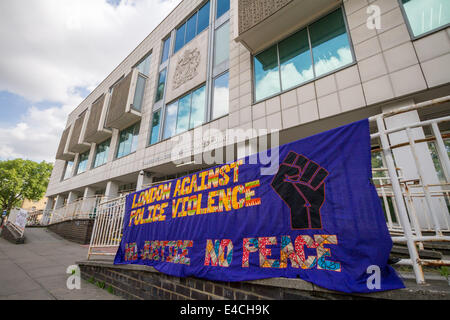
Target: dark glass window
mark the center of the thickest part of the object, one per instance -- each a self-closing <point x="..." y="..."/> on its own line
<point x="139" y="93"/>
<point x="330" y="43"/>
<point x="156" y="121"/>
<point x="203" y="18"/>
<point x="295" y="60"/>
<point x="166" y="50"/>
<point x="179" y="37"/>
<point x="191" y="28"/>
<point x="222" y="7"/>
<point x="267" y="76"/>
<point x="128" y="141"/>
<point x="82" y="162"/>
<point x="68" y="171"/>
<point x="289" y="63"/>
<point x="101" y="153"/>
<point x="161" y="85"/>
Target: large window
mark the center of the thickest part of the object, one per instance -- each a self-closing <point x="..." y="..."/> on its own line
<point x="198" y="22"/>
<point x="318" y="49"/>
<point x="144" y="65"/>
<point x="68" y="170"/>
<point x="186" y="113"/>
<point x="220" y="96"/>
<point x="426" y="15"/>
<point x="128" y="139"/>
<point x="139" y="93"/>
<point x="166" y="50"/>
<point x="101" y="153"/>
<point x="222" y="44"/>
<point x="82" y="163"/>
<point x="161" y="85"/>
<point x="222" y="7"/>
<point x="156" y="123"/>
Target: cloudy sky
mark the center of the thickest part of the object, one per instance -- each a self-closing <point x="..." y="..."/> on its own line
<point x="53" y="54"/>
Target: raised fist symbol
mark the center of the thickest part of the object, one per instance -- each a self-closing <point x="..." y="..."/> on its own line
<point x="300" y="183"/>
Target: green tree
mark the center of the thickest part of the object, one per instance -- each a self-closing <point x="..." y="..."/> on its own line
<point x="22" y="179"/>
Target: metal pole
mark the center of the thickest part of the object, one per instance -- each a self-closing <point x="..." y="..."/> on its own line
<point x="442" y="152"/>
<point x="425" y="187"/>
<point x="403" y="215"/>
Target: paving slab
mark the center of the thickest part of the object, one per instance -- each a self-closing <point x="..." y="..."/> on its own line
<point x="36" y="270"/>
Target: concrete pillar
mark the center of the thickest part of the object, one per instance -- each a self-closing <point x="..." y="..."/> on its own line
<point x="72" y="197"/>
<point x="404" y="159"/>
<point x="89" y="192"/>
<point x="113" y="145"/>
<point x="144" y="179"/>
<point x="50" y="203"/>
<point x="59" y="202"/>
<point x="91" y="156"/>
<point x="112" y="190"/>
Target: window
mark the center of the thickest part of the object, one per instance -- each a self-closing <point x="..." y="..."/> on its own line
<point x="128" y="139"/>
<point x="170" y="120"/>
<point x="221" y="96"/>
<point x="425" y="16"/>
<point x="222" y="44"/>
<point x="139" y="93"/>
<point x="166" y="50"/>
<point x="144" y="65"/>
<point x="179" y="37"/>
<point x="161" y="85"/>
<point x="186" y="113"/>
<point x="330" y="43"/>
<point x="267" y="75"/>
<point x="101" y="153"/>
<point x="198" y="22"/>
<point x="68" y="170"/>
<point x="294" y="61"/>
<point x="203" y="18"/>
<point x="156" y="121"/>
<point x="82" y="163"/>
<point x="222" y="7"/>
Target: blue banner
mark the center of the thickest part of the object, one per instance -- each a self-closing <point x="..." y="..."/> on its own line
<point x="318" y="218"/>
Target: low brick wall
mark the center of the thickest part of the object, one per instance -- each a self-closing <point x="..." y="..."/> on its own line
<point x="137" y="282"/>
<point x="78" y="231"/>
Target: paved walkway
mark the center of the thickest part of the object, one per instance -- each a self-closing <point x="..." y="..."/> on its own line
<point x="36" y="270"/>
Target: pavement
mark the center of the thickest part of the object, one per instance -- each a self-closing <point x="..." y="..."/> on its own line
<point x="37" y="269"/>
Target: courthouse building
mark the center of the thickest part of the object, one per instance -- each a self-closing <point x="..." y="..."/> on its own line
<point x="297" y="66"/>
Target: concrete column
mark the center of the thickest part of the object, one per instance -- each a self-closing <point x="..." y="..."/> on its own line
<point x="50" y="203"/>
<point x="113" y="145"/>
<point x="89" y="192"/>
<point x="404" y="159"/>
<point x="59" y="202"/>
<point x="91" y="156"/>
<point x="112" y="190"/>
<point x="72" y="197"/>
<point x="144" y="179"/>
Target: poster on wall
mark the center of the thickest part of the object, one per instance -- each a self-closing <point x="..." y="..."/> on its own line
<point x="318" y="218"/>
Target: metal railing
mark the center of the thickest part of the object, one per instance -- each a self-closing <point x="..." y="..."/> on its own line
<point x="35" y="218"/>
<point x="108" y="227"/>
<point x="84" y="208"/>
<point x="409" y="228"/>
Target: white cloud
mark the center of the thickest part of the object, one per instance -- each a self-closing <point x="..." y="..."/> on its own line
<point x="51" y="47"/>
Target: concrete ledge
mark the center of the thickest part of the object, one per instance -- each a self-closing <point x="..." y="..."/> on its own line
<point x="131" y="280"/>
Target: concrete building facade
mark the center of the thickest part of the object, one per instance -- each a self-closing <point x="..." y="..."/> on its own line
<point x="297" y="66"/>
